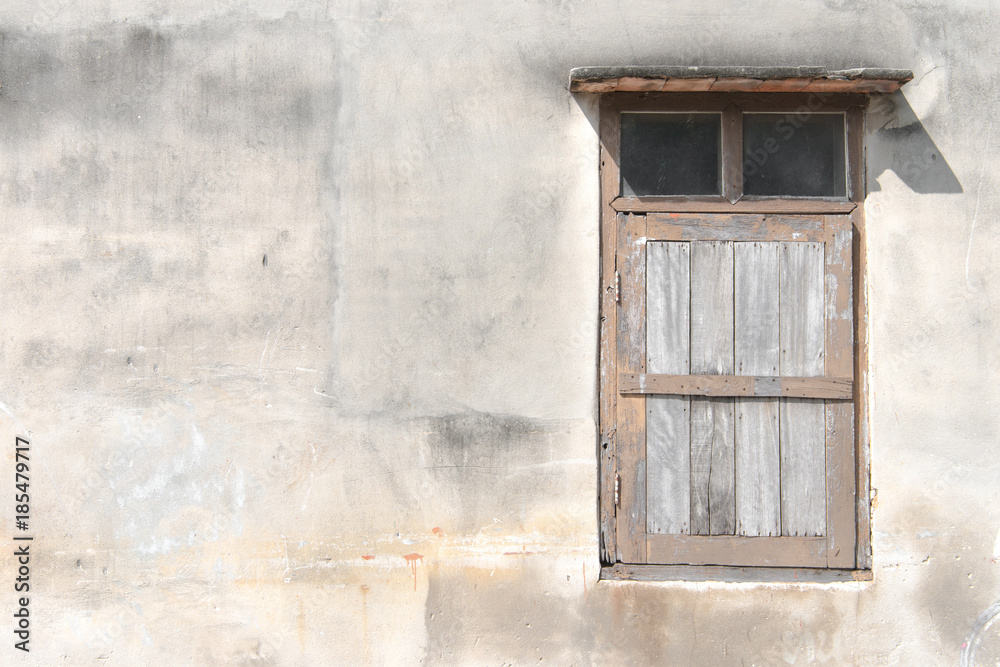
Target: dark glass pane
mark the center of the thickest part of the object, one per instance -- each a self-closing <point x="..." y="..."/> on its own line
<point x="798" y="154"/>
<point x="670" y="154"/>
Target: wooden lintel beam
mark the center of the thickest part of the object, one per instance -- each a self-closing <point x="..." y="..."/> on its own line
<point x="735" y="79"/>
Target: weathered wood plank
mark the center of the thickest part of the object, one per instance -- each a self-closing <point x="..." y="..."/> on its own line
<point x="850" y="86"/>
<point x="840" y="451"/>
<point x="855" y="154"/>
<point x="794" y="100"/>
<point x="668" y="468"/>
<point x="631" y="433"/>
<point x="640" y="84"/>
<point x="732" y="84"/>
<point x="716" y="101"/>
<point x="802" y="423"/>
<point x="756" y="308"/>
<point x="749" y="386"/>
<point x="671" y="204"/>
<point x="686" y="385"/>
<point x="607" y="450"/>
<point x="688" y="85"/>
<point x="829" y="388"/>
<point x="783" y="85"/>
<point x="758" y="474"/>
<point x="736" y="550"/>
<point x="862" y="487"/>
<point x="722" y="573"/>
<point x="668" y="423"/>
<point x="862" y="472"/>
<point x="735" y="83"/>
<point x="595" y="86"/>
<point x="713" y="504"/>
<point x="745" y="228"/>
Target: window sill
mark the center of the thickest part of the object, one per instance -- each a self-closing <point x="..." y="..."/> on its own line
<point x="703" y="573"/>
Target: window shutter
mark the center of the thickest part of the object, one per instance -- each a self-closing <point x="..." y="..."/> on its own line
<point x="735" y="376"/>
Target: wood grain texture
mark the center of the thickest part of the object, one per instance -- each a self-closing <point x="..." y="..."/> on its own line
<point x="732" y="153"/>
<point x="672" y="204"/>
<point x="852" y="86"/>
<point x="607" y="450"/>
<point x="706" y="100"/>
<point x="631" y="433"/>
<point x="840" y="448"/>
<point x="756" y="339"/>
<point x="863" y="549"/>
<point x="802" y="423"/>
<point x="668" y="422"/>
<point x="745" y="228"/>
<point x="713" y="504"/>
<point x="687" y="85"/>
<point x="829" y="388"/>
<point x="735" y="83"/>
<point x="601" y="86"/>
<point x="856" y="154"/>
<point x="737" y="550"/>
<point x="755" y="287"/>
<point x="641" y="84"/>
<point x="857" y="179"/>
<point x="761" y="386"/>
<point x="783" y="85"/>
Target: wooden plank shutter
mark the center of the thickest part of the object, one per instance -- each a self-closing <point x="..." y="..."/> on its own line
<point x="735" y="376"/>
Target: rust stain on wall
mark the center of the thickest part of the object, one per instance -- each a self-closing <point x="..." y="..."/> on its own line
<point x="412" y="560"/>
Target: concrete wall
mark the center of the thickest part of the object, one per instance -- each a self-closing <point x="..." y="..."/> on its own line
<point x="299" y="309"/>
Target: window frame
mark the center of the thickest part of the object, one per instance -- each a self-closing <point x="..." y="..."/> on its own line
<point x="617" y="211"/>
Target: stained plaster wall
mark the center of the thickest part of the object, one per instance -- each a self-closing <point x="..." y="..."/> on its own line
<point x="299" y="309"/>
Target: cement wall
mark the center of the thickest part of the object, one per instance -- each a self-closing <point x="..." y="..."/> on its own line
<point x="299" y="309"/>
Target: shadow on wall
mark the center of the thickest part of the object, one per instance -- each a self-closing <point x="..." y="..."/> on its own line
<point x="902" y="145"/>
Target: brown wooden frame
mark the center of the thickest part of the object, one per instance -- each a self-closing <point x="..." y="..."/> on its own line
<point x="626" y="224"/>
<point x="677" y="79"/>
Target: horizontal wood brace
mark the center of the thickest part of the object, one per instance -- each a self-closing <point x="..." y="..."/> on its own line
<point x="703" y="227"/>
<point x="736" y="550"/>
<point x="829" y="388"/>
<point x="695" y="102"/>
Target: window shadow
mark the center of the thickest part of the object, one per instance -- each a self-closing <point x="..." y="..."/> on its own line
<point x="898" y="142"/>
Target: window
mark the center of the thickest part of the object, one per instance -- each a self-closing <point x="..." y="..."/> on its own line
<point x="731" y="383"/>
<point x="671" y="154"/>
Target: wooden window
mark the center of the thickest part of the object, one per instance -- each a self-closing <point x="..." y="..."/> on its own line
<point x="731" y="384"/>
<point x="671" y="154"/>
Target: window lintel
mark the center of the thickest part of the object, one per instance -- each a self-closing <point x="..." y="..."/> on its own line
<point x="633" y="78"/>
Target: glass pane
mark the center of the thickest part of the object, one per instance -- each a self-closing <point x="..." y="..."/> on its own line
<point x="670" y="154"/>
<point x="794" y="154"/>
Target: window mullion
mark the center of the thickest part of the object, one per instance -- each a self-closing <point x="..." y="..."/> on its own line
<point x="732" y="153"/>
